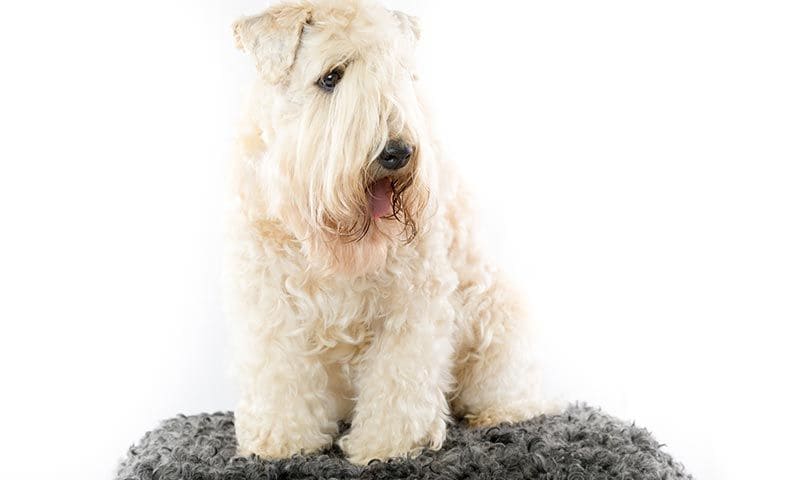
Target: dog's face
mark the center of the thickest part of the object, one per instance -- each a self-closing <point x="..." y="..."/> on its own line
<point x="343" y="127"/>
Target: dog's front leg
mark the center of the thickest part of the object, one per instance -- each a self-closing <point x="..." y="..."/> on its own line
<point x="285" y="407"/>
<point x="402" y="384"/>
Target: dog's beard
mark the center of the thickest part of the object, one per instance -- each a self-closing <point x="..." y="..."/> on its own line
<point x="391" y="207"/>
<point x="356" y="238"/>
<point x="346" y="214"/>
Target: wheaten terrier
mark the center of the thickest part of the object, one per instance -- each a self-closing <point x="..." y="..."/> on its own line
<point x="355" y="286"/>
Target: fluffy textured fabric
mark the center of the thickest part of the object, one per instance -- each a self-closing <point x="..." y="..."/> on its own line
<point x="581" y="443"/>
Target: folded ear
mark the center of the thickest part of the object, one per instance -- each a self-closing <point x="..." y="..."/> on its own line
<point x="409" y="24"/>
<point x="272" y="38"/>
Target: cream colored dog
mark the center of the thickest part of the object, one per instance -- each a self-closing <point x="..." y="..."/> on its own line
<point x="355" y="286"/>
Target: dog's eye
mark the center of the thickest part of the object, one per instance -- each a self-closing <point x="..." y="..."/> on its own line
<point x="330" y="80"/>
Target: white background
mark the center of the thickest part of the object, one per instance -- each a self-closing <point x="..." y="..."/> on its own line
<point x="636" y="164"/>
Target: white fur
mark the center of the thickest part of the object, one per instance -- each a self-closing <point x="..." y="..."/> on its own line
<point x="393" y="331"/>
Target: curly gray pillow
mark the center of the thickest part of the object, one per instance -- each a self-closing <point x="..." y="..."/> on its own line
<point x="580" y="444"/>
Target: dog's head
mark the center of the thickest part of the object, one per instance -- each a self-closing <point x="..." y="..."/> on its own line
<point x="343" y="128"/>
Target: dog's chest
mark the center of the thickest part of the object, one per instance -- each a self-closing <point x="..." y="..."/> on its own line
<point x="339" y="318"/>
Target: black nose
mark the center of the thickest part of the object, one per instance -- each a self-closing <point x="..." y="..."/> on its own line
<point x="395" y="155"/>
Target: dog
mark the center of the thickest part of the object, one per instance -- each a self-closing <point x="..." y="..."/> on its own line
<point x="356" y="289"/>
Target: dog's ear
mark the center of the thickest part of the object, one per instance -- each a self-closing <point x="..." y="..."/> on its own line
<point x="409" y="24"/>
<point x="272" y="38"/>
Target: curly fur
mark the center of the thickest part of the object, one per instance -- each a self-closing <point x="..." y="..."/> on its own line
<point x="582" y="443"/>
<point x="393" y="321"/>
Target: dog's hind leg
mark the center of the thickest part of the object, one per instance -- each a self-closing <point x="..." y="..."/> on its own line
<point x="496" y="373"/>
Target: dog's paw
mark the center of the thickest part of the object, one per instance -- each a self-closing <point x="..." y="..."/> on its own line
<point x="390" y="440"/>
<point x="273" y="442"/>
<point x="511" y="413"/>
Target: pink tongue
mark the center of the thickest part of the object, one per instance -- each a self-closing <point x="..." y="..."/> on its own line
<point x="380" y="198"/>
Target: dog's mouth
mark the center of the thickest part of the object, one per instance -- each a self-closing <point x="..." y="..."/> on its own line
<point x="388" y="198"/>
<point x="380" y="195"/>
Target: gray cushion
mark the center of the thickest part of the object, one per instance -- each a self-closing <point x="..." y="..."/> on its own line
<point x="582" y="443"/>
